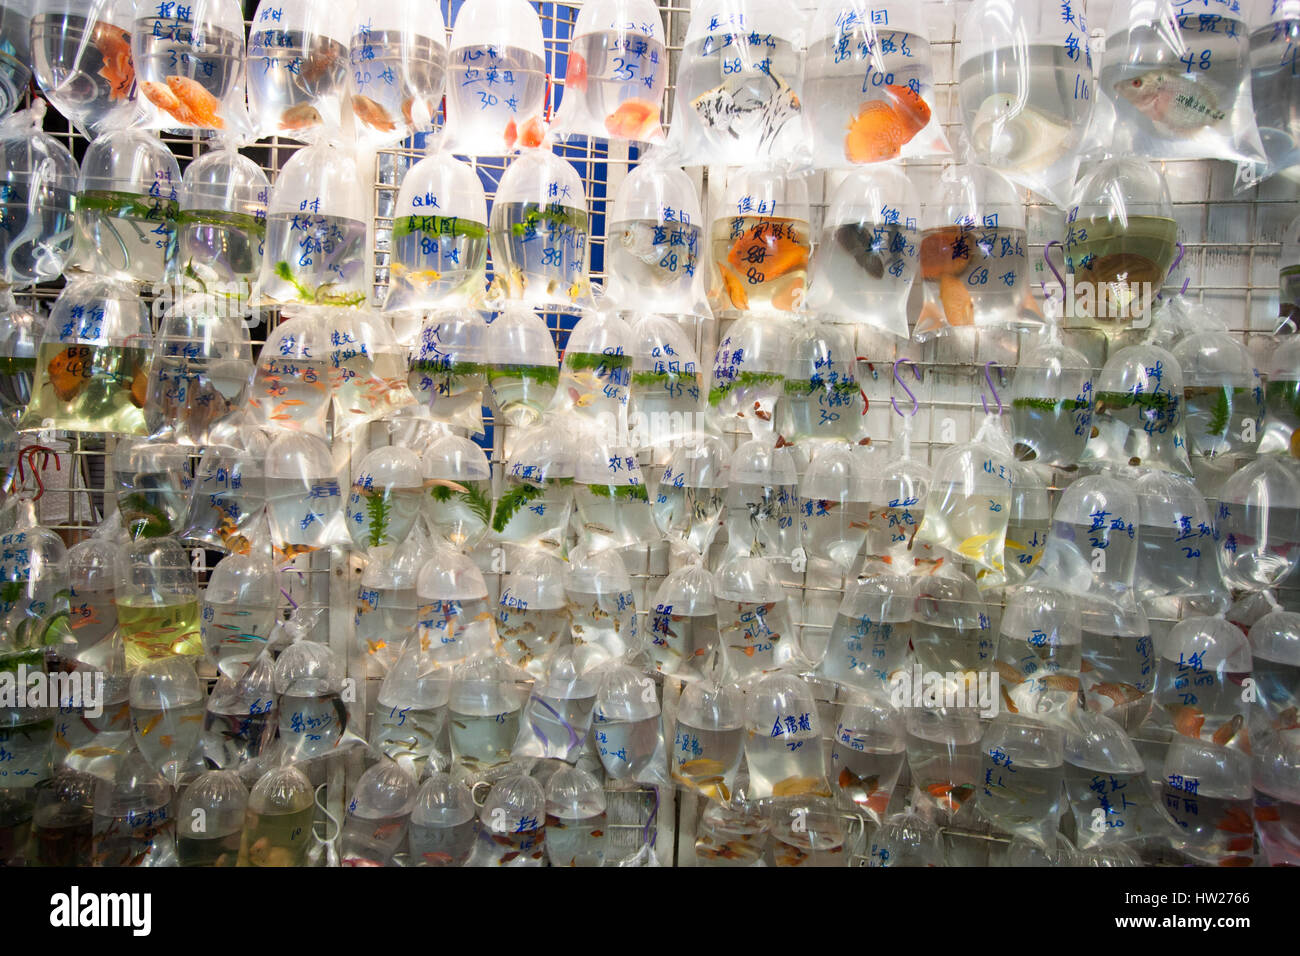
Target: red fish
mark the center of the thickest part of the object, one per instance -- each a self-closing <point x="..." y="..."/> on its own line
<point x="882" y="127"/>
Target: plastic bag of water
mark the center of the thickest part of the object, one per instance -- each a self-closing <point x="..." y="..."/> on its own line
<point x="1223" y="394"/>
<point x="617" y="72"/>
<point x="19" y="339"/>
<point x="290" y="390"/>
<point x="533" y="610"/>
<point x="1051" y="402"/>
<point x="92" y="572"/>
<point x="708" y="739"/>
<point x="627" y="726"/>
<point x="81" y="59"/>
<point x="133" y="824"/>
<point x="684" y="623"/>
<point x="740" y="86"/>
<point x="487" y="697"/>
<point x="521" y="365"/>
<point x="656" y="240"/>
<point x="783" y="743"/>
<point x="228" y="498"/>
<point x="455" y="618"/>
<point x="755" y="630"/>
<point x="92" y="366"/>
<point x="904" y="840"/>
<point x="833" y="504"/>
<point x="1119" y="664"/>
<point x="869" y="638"/>
<point x="1039" y="655"/>
<point x="398" y="60"/>
<point x="1177" y="83"/>
<point x="441" y="831"/>
<point x="1204" y="665"/>
<point x="210" y="820"/>
<point x="1178" y="542"/>
<point x="387" y="490"/>
<point x="1024" y="84"/>
<point x="157" y="601"/>
<point x="16" y="72"/>
<point x="1281" y="399"/>
<point x="612" y="498"/>
<point x="748" y="373"/>
<point x="762" y="501"/>
<point x="823" y="400"/>
<point x="1023" y="767"/>
<point x="496" y="86"/>
<point x="1257" y="520"/>
<point x="944" y="759"/>
<point x="410" y="716"/>
<point x="512" y="823"/>
<point x="867" y="755"/>
<point x="950" y="627"/>
<point x="458" y="491"/>
<point x="201" y="372"/>
<point x="602" y="608"/>
<point x="869" y="82"/>
<point x="557" y="717"/>
<point x="733" y="833"/>
<point x="864" y="265"/>
<point x="596" y="372"/>
<point x="446" y="370"/>
<point x="63" y="820"/>
<point x="387" y="608"/>
<point x="760" y="242"/>
<point x="238" y="609"/>
<point x="41" y="177"/>
<point x="692" y="488"/>
<point x="367" y="368"/>
<point x="378" y="813"/>
<point x="167" y="703"/>
<point x="241" y="716"/>
<point x="575" y="819"/>
<point x="303" y="501"/>
<point x="1274" y="29"/>
<point x="278" y="826"/>
<point x="440" y="237"/>
<point x="1029" y="521"/>
<point x="1206" y="789"/>
<point x="666" y="385"/>
<point x="807" y="831"/>
<point x="302" y="51"/>
<point x="539" y="231"/>
<point x="151" y="480"/>
<point x="1092" y="548"/>
<point x="221" y="236"/>
<point x="1106" y="784"/>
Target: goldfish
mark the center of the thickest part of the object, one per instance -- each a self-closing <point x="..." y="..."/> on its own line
<point x="634" y="119"/>
<point x="114" y="46"/>
<point x="439" y="859"/>
<point x="1120" y="694"/>
<point x="575" y="76"/>
<point x="954" y="308"/>
<point x="530" y="135"/>
<point x="372" y="114"/>
<point x="1235" y="820"/>
<point x="737" y="293"/>
<point x="147" y="728"/>
<point x="797" y="786"/>
<point x="1014" y="134"/>
<point x="200" y="106"/>
<point x="69" y="373"/>
<point x="302" y="116"/>
<point x="884" y="126"/>
<point x="1177" y="105"/>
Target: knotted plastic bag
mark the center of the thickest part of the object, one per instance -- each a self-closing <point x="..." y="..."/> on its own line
<point x="684" y="623"/>
<point x="1051" y="402"/>
<point x="229" y="490"/>
<point x="15" y="68"/>
<point x="446" y="370"/>
<point x="627" y="726"/>
<point x="656" y="241"/>
<point x="152" y="482"/>
<point x="410" y="719"/>
<point x="1039" y="655"/>
<point x="612" y="497"/>
<point x="869" y="639"/>
<point x="783" y="739"/>
<point x="867" y="755"/>
<point x="691" y="493"/>
<point x="367" y="368"/>
<point x="1138" y="412"/>
<point x="1092" y="547"/>
<point x="387" y="608"/>
<point x="749" y="369"/>
<point x="834" y="498"/>
<point x="596" y="372"/>
<point x="487" y="697"/>
<point x="303" y="501"/>
<point x="221" y="236"/>
<point x="762" y="501"/>
<point x="532" y="613"/>
<point x="298" y="68"/>
<point x="665" y="397"/>
<point x="238" y="609"/>
<point x="81" y="59"/>
<point x="1106" y="784"/>
<point x="201" y="372"/>
<point x="1023" y="769"/>
<point x="760" y="242"/>
<point x="167" y="702"/>
<point x="521" y="365"/>
<point x="397" y="69"/>
<point x="1282" y="400"/>
<point x="557" y="717"/>
<point x="536" y="496"/>
<point x="602" y="608"/>
<point x="454" y="617"/>
<point x="314" y="717"/>
<point x="458" y="491"/>
<point x="1260" y="539"/>
<point x="823" y="399"/>
<point x="387" y="491"/>
<point x="157" y="601"/>
<point x="754" y="626"/>
<point x="290" y="390"/>
<point x="1177" y="539"/>
<point x="708" y="739"/>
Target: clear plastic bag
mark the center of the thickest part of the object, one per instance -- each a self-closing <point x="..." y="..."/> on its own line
<point x="1024" y="82"/>
<point x="666" y="392"/>
<point x="898" y="500"/>
<point x="1282" y="400"/>
<point x="367" y="368"/>
<point x="127" y="207"/>
<point x="1119" y="666"/>
<point x="446" y="369"/>
<point x="974" y="256"/>
<point x="1138" y="412"/>
<point x="92" y="366"/>
<point x="867" y="755"/>
<point x="15" y="67"/>
<point x="1223" y="394"/>
<point x="238" y="609"/>
<point x="81" y="59"/>
<point x="906" y="840"/>
<point x="1023" y="770"/>
<point x="379" y="809"/>
<point x="303" y="502"/>
<point x="1257" y="522"/>
<point x="496" y="87"/>
<point x="92" y="572"/>
<point x="684" y="623"/>
<point x="1106" y="784"/>
<point x="290" y="390"/>
<point x="40" y="177"/>
<point x="201" y="371"/>
<point x="1039" y="655"/>
<point x="536" y="496"/>
<point x="314" y="718"/>
<point x="740" y="85"/>
<point x="1177" y="81"/>
<point x="189" y="61"/>
<point x="384" y="503"/>
<point x="557" y="717"/>
<point x="20" y="335"/>
<point x="387" y="608"/>
<point x="278" y="828"/>
<point x="539" y="231"/>
<point x="760" y="242"/>
<point x="157" y="602"/>
<point x="487" y="697"/>
<point x="596" y="372"/>
<point x="458" y="486"/>
<point x="167" y="702"/>
<point x="866" y="260"/>
<point x="834" y="498"/>
<point x="512" y="822"/>
<point x="316" y="231"/>
<point x="151" y="482"/>
<point x="823" y="399"/>
<point x="1029" y="521"/>
<point x="1206" y="790"/>
<point x="612" y="498"/>
<point x="869" y="85"/>
<point x="133" y="825"/>
<point x="442" y="823"/>
<point x="783" y="744"/>
<point x="1204" y="662"/>
<point x="1275" y="29"/>
<point x="1092" y="548"/>
<point x="576" y="824"/>
<point x="656" y="241"/>
<point x="1051" y="403"/>
<point x="627" y="727"/>
<point x="762" y="502"/>
<point x="616" y="73"/>
<point x="298" y="68"/>
<point x="410" y="719"/>
<point x="692" y="491"/>
<point x="708" y="740"/>
<point x="455" y="622"/>
<point x="533" y="612"/>
<point x="398" y="67"/>
<point x="748" y="374"/>
<point x="950" y="629"/>
<point x="440" y="237"/>
<point x="229" y="492"/>
<point x="602" y="608"/>
<point x="755" y="630"/>
<point x="868" y="641"/>
<point x="1178" y="542"/>
<point x="521" y="364"/>
<point x="945" y="761"/>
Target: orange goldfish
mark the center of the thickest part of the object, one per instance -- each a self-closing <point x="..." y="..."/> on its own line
<point x="302" y="116"/>
<point x="529" y="136"/>
<point x="634" y="119"/>
<point x="372" y="114"/>
<point x="882" y="127"/>
<point x="575" y="77"/>
<point x="114" y="46"/>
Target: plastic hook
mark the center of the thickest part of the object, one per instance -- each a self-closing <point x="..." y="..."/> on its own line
<point x="988" y="378"/>
<point x="1174" y="268"/>
<point x="29" y="454"/>
<point x="916" y="406"/>
<point x="1052" y="266"/>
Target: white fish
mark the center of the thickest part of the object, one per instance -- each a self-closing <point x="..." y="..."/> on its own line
<point x="1176" y="105"/>
<point x="759" y="105"/>
<point x="1013" y="134"/>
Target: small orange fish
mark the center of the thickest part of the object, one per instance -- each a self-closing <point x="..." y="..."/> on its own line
<point x="634" y="119"/>
<point x="1235" y="820"/>
<point x="1188" y="720"/>
<point x="736" y="291"/>
<point x="153" y="722"/>
<point x="598" y="833"/>
<point x="114" y="46"/>
<point x="200" y="105"/>
<point x="1224" y="734"/>
<point x="161" y="96"/>
<point x="529" y="136"/>
<point x="882" y="127"/>
<point x="575" y="76"/>
<point x="302" y="116"/>
<point x="166" y="740"/>
<point x="372" y="114"/>
<point x="442" y="859"/>
<point x="508" y="857"/>
<point x="97" y="751"/>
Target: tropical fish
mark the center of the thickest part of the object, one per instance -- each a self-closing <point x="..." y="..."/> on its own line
<point x="67" y="377"/>
<point x="781" y="253"/>
<point x="530" y="135"/>
<point x="575" y="76"/>
<point x="740" y="109"/>
<point x="797" y="786"/>
<point x="884" y="126"/>
<point x="634" y="119"/>
<point x="372" y="114"/>
<point x="1013" y="134"/>
<point x="954" y="308"/>
<point x="186" y="101"/>
<point x="1175" y="104"/>
<point x="114" y="46"/>
<point x="302" y="116"/>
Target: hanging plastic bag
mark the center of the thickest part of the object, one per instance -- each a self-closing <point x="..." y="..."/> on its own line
<point x="868" y="640"/>
<point x="64" y="811"/>
<point x="1138" y="412"/>
<point x="612" y="498"/>
<point x="93" y="360"/>
<point x="316" y="231"/>
<point x="1178" y="82"/>
<point x="40" y="177"/>
<point x="596" y="372"/>
<point x="303" y="500"/>
<point x="533" y="612"/>
<point x="238" y="609"/>
<point x="760" y="242"/>
<point x="1120" y="242"/>
<point x="823" y="399"/>
<point x="167" y="702"/>
<point x="20" y="335"/>
<point x="367" y="368"/>
<point x="692" y="492"/>
<point x="735" y="833"/>
<point x="740" y="85"/>
<point x="1275" y="652"/>
<point x="783" y="739"/>
<point x="189" y="60"/>
<point x="1023" y="770"/>
<point x="945" y="762"/>
<point x="950" y="628"/>
<point x="458" y="485"/>
<point x="867" y="755"/>
<point x="487" y="699"/>
<point x="379" y="810"/>
<point x="1092" y="548"/>
<point x="974" y="256"/>
<point x="314" y="718"/>
<point x="1029" y="520"/>
<point x="905" y="840"/>
<point x="834" y="499"/>
<point x="81" y="59"/>
<point x="15" y="69"/>
<point x="521" y="364"/>
<point x="617" y="72"/>
<point x="1223" y="394"/>
<point x="602" y="609"/>
<point x="1206" y="790"/>
<point x="627" y="727"/>
<point x="439" y="245"/>
<point x="1039" y="655"/>
<point x="1051" y="402"/>
<point x="1275" y="29"/>
<point x="898" y="498"/>
<point x="201" y="371"/>
<point x="1204" y="662"/>
<point x="1282" y="400"/>
<point x="298" y="68"/>
<point x="33" y="584"/>
<point x="1177" y="539"/>
<point x="536" y="495"/>
<point x="410" y="719"/>
<point x="762" y="502"/>
<point x="748" y="375"/>
<point x="967" y="508"/>
<point x="229" y="490"/>
<point x="442" y="823"/>
<point x="127" y="208"/>
<point x="157" y="601"/>
<point x="385" y="500"/>
<point x="496" y="88"/>
<point x="684" y="623"/>
<point x="512" y="822"/>
<point x="656" y="241"/>
<point x="557" y="717"/>
<point x="1106" y="784"/>
<point x="1025" y="85"/>
<point x="867" y="257"/>
<point x="152" y="483"/>
<point x="221" y="237"/>
<point x="397" y="69"/>
<point x="576" y="823"/>
<point x="755" y="630"/>
<point x="869" y="84"/>
<point x="387" y="610"/>
<point x="446" y="369"/>
<point x="133" y="825"/>
<point x="278" y="828"/>
<point x="539" y="230"/>
<point x="455" y="620"/>
<point x="290" y="390"/>
<point x="1119" y="666"/>
<point x="664" y="405"/>
<point x="92" y="573"/>
<point x="708" y="739"/>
